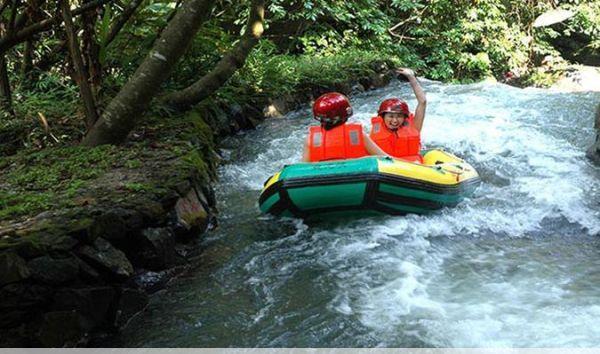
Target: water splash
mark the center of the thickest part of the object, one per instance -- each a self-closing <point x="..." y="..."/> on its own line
<point x="516" y="265"/>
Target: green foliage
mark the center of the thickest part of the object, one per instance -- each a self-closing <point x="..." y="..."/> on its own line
<point x="269" y="74"/>
<point x="585" y="24"/>
<point x="37" y="181"/>
<point x="43" y="94"/>
<point x="307" y="43"/>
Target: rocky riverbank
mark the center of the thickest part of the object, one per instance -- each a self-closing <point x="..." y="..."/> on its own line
<point x="87" y="234"/>
<point x="579" y="78"/>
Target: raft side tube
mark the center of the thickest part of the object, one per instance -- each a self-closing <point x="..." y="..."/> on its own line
<point x="375" y="184"/>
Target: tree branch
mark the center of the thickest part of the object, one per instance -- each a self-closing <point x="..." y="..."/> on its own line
<point x="122" y="20"/>
<point x="13" y="16"/>
<point x="126" y="109"/>
<point x="80" y="74"/>
<point x="5" y="90"/>
<point x="4" y="5"/>
<point x="10" y="40"/>
<point x="227" y="66"/>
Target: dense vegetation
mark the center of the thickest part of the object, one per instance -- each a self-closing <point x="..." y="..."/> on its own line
<point x="63" y="63"/>
<point x="305" y="42"/>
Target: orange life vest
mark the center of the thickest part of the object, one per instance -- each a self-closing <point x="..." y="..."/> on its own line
<point x="404" y="143"/>
<point x="342" y="142"/>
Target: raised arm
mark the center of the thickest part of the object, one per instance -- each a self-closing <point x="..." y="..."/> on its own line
<point x="419" y="93"/>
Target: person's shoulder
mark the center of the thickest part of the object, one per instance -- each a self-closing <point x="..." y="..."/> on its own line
<point x="354" y="124"/>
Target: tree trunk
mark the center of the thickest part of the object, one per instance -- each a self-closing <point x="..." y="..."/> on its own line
<point x="226" y="67"/>
<point x="9" y="41"/>
<point x="91" y="51"/>
<point x="27" y="60"/>
<point x="80" y="74"/>
<point x="125" y="110"/>
<point x="5" y="94"/>
<point x="5" y="91"/>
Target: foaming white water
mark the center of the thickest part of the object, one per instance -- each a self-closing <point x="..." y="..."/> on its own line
<point x="517" y="265"/>
<point x="489" y="272"/>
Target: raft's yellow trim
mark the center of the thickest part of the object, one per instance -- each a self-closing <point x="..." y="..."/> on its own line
<point x="453" y="171"/>
<point x="433" y="156"/>
<point x="272" y="180"/>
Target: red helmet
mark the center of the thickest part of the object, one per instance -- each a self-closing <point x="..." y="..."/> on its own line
<point x="332" y="109"/>
<point x="393" y="105"/>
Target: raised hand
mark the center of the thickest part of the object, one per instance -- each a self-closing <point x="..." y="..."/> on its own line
<point x="406" y="72"/>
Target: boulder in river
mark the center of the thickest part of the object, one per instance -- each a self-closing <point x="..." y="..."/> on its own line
<point x="12" y="268"/>
<point x="61" y="329"/>
<point x="593" y="152"/>
<point x="191" y="213"/>
<point x="157" y="249"/>
<point x="131" y="302"/>
<point x="107" y="258"/>
<point x="91" y="303"/>
<point x="51" y="270"/>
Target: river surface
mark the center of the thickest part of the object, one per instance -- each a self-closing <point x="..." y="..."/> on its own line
<point x="517" y="265"/>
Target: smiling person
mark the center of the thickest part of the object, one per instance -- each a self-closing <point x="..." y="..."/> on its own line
<point x="395" y="129"/>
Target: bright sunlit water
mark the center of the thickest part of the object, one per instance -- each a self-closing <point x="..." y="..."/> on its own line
<point x="518" y="265"/>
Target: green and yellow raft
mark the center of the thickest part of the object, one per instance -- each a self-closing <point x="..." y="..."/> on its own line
<point x="369" y="185"/>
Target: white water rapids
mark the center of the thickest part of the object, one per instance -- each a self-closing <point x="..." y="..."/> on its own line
<point x="517" y="265"/>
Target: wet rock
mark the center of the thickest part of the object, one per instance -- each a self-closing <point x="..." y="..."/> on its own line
<point x="187" y="250"/>
<point x="343" y="87"/>
<point x="358" y="88"/>
<point x="237" y="114"/>
<point x="169" y="199"/>
<point x="61" y="329"/>
<point x="87" y="273"/>
<point x="593" y="153"/>
<point x="12" y="268"/>
<point x="116" y="224"/>
<point x="271" y="112"/>
<point x="131" y="302"/>
<point x="366" y="82"/>
<point x="222" y="122"/>
<point x="379" y="80"/>
<point x="191" y="216"/>
<point x="107" y="258"/>
<point x="92" y="304"/>
<point x="81" y="230"/>
<point x="276" y="108"/>
<point x="40" y="243"/>
<point x="21" y="301"/>
<point x="578" y="78"/>
<point x="11" y="318"/>
<point x="152" y="282"/>
<point x="53" y="271"/>
<point x="157" y="249"/>
<point x="255" y="116"/>
<point x="183" y="186"/>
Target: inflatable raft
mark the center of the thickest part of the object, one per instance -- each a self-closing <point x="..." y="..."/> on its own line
<point x="369" y="185"/>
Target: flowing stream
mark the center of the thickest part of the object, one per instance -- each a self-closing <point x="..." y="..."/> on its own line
<point x="517" y="265"/>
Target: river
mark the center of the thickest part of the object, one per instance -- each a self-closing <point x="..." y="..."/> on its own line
<point x="517" y="265"/>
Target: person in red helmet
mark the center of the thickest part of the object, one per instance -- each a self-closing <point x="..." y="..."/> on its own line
<point x="397" y="131"/>
<point x="334" y="139"/>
